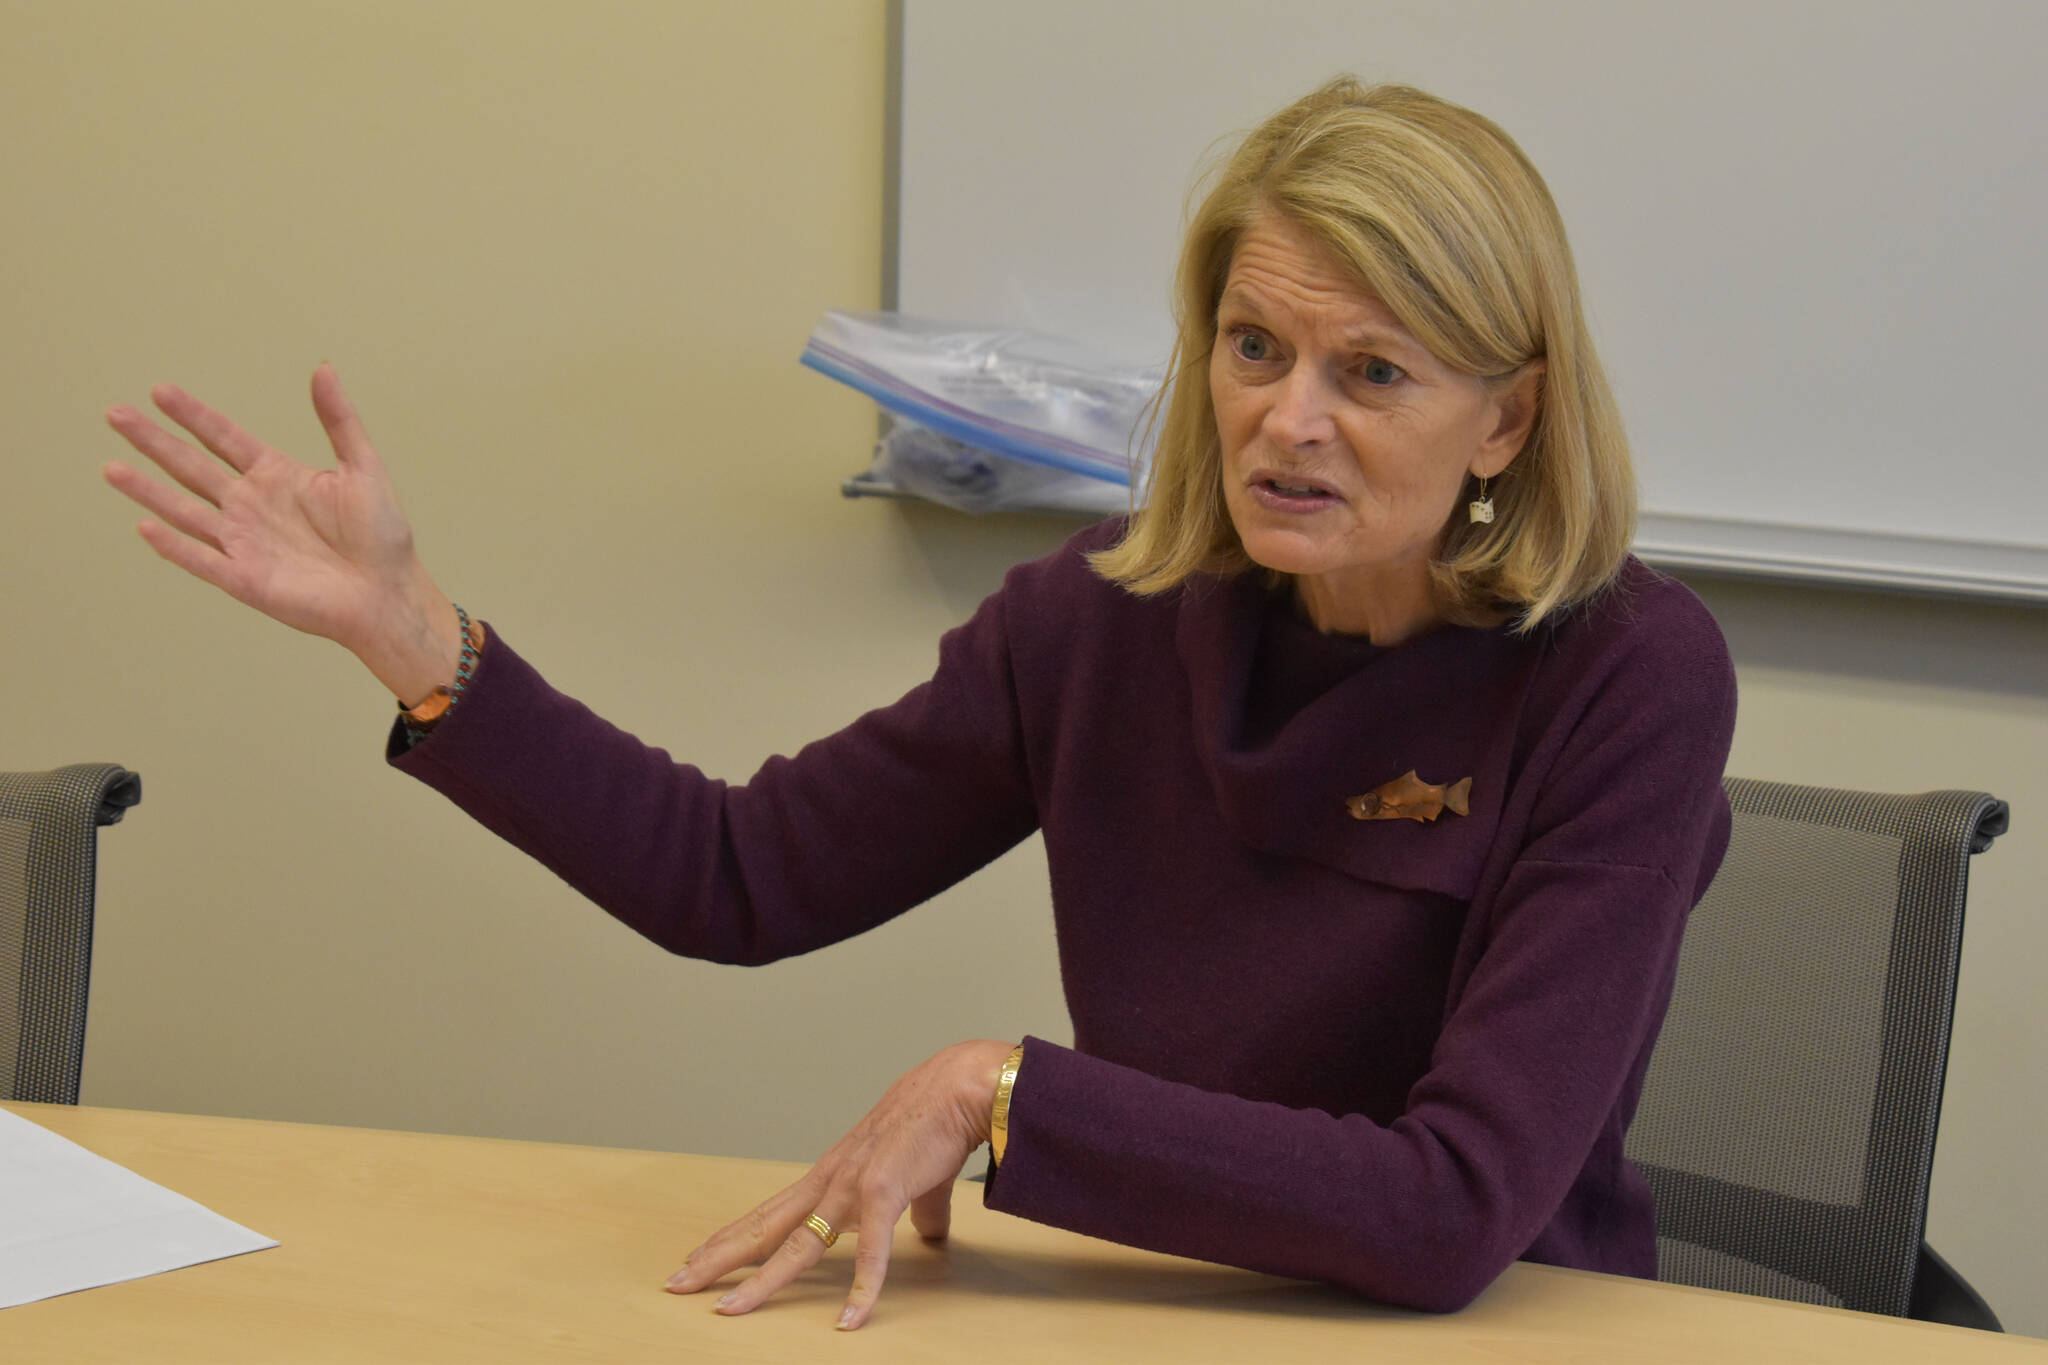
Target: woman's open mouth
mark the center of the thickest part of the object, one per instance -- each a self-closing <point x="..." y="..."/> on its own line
<point x="1292" y="495"/>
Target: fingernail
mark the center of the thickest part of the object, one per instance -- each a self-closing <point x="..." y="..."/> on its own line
<point x="675" y="1281"/>
<point x="729" y="1300"/>
<point x="846" y="1317"/>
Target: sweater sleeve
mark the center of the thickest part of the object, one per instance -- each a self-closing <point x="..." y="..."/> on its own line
<point x="1529" y="1070"/>
<point x="815" y="848"/>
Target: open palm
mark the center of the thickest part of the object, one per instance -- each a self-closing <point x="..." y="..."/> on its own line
<point x="326" y="551"/>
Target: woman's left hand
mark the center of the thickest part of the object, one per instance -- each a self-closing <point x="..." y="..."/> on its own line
<point x="905" y="1154"/>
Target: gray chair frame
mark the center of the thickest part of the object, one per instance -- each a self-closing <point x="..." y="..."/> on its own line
<point x="1714" y="1068"/>
<point x="49" y="853"/>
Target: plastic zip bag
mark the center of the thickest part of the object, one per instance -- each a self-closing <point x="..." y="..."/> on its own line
<point x="1003" y="394"/>
<point x="915" y="459"/>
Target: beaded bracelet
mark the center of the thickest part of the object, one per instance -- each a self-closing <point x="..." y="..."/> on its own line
<point x="429" y="713"/>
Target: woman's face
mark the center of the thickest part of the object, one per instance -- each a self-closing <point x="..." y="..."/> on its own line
<point x="1344" y="442"/>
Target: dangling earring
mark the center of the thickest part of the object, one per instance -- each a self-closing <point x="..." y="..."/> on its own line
<point x="1481" y="508"/>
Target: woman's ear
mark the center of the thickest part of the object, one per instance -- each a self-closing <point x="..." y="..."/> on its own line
<point x="1516" y="401"/>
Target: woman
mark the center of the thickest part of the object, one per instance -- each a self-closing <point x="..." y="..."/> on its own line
<point x="1376" y="780"/>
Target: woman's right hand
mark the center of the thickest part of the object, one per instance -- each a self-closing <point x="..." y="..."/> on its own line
<point x="325" y="551"/>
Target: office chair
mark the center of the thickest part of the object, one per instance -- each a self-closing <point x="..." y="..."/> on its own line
<point x="1787" y="1123"/>
<point x="49" y="832"/>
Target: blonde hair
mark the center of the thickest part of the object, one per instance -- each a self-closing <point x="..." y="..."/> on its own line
<point x="1440" y="217"/>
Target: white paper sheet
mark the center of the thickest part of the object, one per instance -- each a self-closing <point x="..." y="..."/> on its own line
<point x="70" y="1220"/>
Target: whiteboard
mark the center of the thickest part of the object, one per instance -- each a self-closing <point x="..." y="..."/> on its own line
<point x="1809" y="232"/>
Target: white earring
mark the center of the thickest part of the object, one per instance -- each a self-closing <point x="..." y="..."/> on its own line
<point x="1481" y="508"/>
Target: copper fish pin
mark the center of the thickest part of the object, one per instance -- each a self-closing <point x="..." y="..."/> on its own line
<point x="1408" y="797"/>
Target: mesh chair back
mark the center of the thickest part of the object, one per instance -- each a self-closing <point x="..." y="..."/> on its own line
<point x="49" y="824"/>
<point x="1787" y="1123"/>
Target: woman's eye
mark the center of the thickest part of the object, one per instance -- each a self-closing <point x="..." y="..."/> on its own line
<point x="1252" y="346"/>
<point x="1381" y="372"/>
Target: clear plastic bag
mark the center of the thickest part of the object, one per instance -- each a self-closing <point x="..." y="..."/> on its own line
<point x="980" y="400"/>
<point x="916" y="459"/>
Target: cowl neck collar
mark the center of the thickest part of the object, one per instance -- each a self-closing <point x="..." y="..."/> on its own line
<point x="1290" y="723"/>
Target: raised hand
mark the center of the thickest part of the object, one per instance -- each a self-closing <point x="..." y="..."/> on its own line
<point x="904" y="1155"/>
<point x="326" y="551"/>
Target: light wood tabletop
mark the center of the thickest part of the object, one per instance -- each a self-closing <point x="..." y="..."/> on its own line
<point x="415" y="1247"/>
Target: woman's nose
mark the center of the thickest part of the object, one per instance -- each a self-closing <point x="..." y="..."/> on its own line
<point x="1303" y="411"/>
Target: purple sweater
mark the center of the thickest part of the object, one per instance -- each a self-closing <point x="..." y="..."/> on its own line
<point x="1390" y="1055"/>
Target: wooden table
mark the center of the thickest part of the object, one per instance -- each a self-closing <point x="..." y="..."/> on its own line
<point x="414" y="1247"/>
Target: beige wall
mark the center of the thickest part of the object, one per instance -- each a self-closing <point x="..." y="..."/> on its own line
<point x="565" y="261"/>
<point x="565" y="265"/>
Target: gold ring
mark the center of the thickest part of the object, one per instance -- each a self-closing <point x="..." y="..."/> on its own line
<point x="823" y="1229"/>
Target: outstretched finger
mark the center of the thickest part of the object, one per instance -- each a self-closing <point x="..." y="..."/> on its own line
<point x="344" y="428"/>
<point x="200" y="520"/>
<point x="751" y="1238"/>
<point x="200" y="560"/>
<point x="878" y="1215"/>
<point x="214" y="428"/>
<point x="800" y="1250"/>
<point x="203" y="476"/>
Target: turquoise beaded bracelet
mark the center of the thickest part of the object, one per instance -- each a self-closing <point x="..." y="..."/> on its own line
<point x="416" y="728"/>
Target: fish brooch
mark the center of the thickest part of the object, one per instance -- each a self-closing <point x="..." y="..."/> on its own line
<point x="1408" y="797"/>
